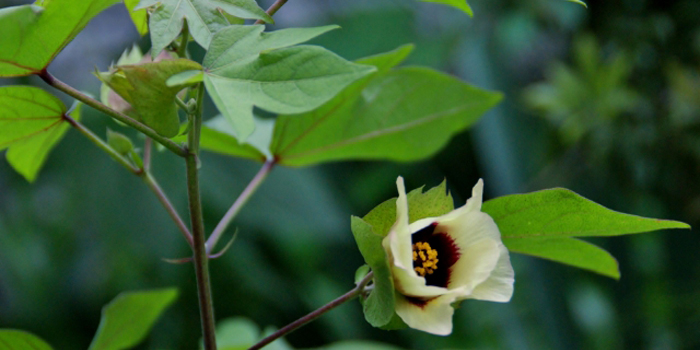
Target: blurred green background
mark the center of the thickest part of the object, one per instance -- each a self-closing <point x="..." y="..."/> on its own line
<point x="604" y="101"/>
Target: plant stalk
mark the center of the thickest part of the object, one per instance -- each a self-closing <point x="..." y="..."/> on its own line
<point x="69" y="90"/>
<point x="184" y="40"/>
<point x="352" y="294"/>
<point x="273" y="9"/>
<point x="201" y="259"/>
<point x="238" y="204"/>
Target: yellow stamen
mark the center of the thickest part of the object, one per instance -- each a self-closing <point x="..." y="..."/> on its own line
<point x="424" y="259"/>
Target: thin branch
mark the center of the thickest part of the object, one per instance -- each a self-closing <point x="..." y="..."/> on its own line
<point x="273" y="9"/>
<point x="102" y="145"/>
<point x="238" y="204"/>
<point x="153" y="185"/>
<point x="69" y="90"/>
<point x="352" y="294"/>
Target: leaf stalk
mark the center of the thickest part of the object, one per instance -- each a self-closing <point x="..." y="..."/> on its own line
<point x="238" y="204"/>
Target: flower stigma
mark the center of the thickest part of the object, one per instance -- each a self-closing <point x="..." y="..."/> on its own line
<point x="424" y="258"/>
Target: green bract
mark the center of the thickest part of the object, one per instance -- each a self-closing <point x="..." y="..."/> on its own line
<point x="144" y="87"/>
<point x="245" y="67"/>
<point x="31" y="123"/>
<point x="128" y="318"/>
<point x="31" y="35"/>
<point x="204" y="18"/>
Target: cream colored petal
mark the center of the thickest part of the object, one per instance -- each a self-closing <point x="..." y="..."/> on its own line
<point x="409" y="283"/>
<point x="472" y="205"/>
<point x="474" y="266"/>
<point x="421" y="224"/>
<point x="499" y="286"/>
<point x="469" y="228"/>
<point x="399" y="247"/>
<point x="435" y="316"/>
<point x="397" y="243"/>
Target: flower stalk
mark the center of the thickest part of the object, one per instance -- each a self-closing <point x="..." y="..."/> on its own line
<point x="352" y="294"/>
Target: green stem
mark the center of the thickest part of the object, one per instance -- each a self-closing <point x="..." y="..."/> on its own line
<point x="201" y="259"/>
<point x="184" y="40"/>
<point x="238" y="204"/>
<point x="273" y="9"/>
<point x="102" y="145"/>
<point x="169" y="144"/>
<point x="352" y="294"/>
<point x="196" y="130"/>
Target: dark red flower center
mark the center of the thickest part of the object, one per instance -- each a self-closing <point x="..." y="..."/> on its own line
<point x="434" y="254"/>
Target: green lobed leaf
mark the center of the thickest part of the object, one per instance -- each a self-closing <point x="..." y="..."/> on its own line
<point x="31" y="35"/>
<point x="378" y="307"/>
<point x="560" y="212"/>
<point x="566" y="250"/>
<point x="144" y="87"/>
<point x="31" y="124"/>
<point x="460" y="4"/>
<point x="138" y="17"/>
<point x="239" y="44"/>
<point x="12" y="339"/>
<point x="128" y="318"/>
<point x="369" y="233"/>
<point x="246" y="67"/>
<point x="204" y="18"/>
<point x="405" y="114"/>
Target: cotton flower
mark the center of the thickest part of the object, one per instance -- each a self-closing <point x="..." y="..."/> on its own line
<point x="439" y="261"/>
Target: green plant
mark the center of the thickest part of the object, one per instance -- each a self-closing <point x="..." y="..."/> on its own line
<point x="327" y="109"/>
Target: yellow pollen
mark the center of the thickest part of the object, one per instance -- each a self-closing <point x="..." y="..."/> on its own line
<point x="424" y="259"/>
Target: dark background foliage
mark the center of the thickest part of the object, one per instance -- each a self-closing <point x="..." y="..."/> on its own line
<point x="604" y="101"/>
